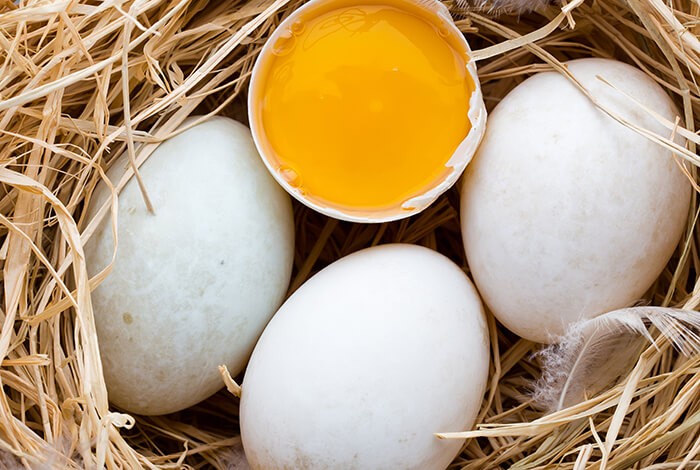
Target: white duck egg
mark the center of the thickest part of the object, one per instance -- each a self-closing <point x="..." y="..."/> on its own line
<point x="566" y="213"/>
<point x="194" y="284"/>
<point x="365" y="362"/>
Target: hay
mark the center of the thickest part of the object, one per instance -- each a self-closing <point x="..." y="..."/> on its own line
<point x="82" y="82"/>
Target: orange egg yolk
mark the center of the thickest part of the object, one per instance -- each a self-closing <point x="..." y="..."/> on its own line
<point x="362" y="106"/>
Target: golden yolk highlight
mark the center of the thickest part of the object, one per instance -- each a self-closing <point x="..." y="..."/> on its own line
<point x="362" y="106"/>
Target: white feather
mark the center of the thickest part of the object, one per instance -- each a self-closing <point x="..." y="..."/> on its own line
<point x="596" y="353"/>
<point x="510" y="7"/>
<point x="233" y="458"/>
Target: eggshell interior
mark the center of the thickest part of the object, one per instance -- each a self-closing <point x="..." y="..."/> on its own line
<point x="455" y="166"/>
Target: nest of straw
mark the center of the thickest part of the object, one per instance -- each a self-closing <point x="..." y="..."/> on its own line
<point x="84" y="81"/>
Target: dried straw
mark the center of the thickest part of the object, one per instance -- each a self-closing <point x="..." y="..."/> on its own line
<point x="83" y="81"/>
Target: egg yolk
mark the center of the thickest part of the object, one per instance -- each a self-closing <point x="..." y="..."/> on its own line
<point x="362" y="106"/>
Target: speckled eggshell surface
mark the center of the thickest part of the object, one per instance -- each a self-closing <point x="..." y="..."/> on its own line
<point x="194" y="285"/>
<point x="566" y="213"/>
<point x="364" y="362"/>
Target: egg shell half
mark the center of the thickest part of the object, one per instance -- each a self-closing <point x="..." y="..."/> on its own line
<point x="194" y="285"/>
<point x="454" y="166"/>
<point x="566" y="213"/>
<point x="364" y="363"/>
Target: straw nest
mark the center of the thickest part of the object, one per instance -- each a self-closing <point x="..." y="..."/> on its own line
<point x="84" y="81"/>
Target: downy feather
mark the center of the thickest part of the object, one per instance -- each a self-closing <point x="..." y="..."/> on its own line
<point x="596" y="353"/>
<point x="505" y="7"/>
